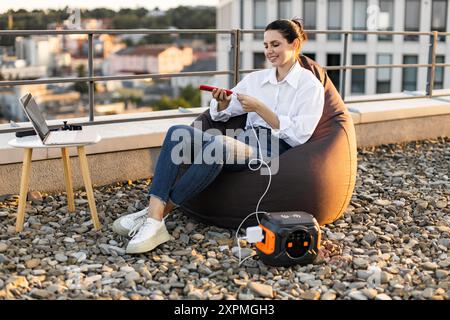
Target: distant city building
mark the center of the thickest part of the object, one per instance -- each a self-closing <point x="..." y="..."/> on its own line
<point x="38" y="50"/>
<point x="149" y="59"/>
<point x="204" y="61"/>
<point x="53" y="101"/>
<point x="12" y="68"/>
<point x="399" y="15"/>
<point x="156" y="13"/>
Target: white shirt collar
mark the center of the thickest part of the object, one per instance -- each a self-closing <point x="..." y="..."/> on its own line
<point x="291" y="78"/>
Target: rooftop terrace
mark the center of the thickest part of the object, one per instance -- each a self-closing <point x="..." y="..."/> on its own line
<point x="391" y="243"/>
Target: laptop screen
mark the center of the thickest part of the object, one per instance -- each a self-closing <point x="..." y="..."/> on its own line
<point x="35" y="115"/>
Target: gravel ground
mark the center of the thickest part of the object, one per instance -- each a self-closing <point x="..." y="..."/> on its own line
<point x="392" y="243"/>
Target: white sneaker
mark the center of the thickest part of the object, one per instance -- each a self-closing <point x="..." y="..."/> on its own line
<point x="125" y="224"/>
<point x="151" y="234"/>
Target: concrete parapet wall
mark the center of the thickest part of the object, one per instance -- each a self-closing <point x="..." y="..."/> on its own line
<point x="129" y="150"/>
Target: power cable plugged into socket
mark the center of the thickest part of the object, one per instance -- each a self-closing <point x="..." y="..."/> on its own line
<point x="254" y="234"/>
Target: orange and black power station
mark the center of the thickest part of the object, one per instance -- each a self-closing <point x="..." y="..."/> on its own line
<point x="290" y="238"/>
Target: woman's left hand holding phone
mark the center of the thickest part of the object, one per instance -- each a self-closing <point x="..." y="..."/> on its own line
<point x="222" y="98"/>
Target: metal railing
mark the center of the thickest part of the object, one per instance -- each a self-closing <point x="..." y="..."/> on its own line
<point x="235" y="42"/>
<point x="432" y="65"/>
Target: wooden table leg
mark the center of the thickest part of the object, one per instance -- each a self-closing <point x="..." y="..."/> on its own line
<point x="88" y="185"/>
<point x="26" y="165"/>
<point x="68" y="179"/>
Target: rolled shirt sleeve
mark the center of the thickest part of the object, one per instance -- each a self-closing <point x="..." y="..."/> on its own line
<point x="298" y="128"/>
<point x="234" y="108"/>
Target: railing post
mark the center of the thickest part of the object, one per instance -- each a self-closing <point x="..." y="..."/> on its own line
<point x="431" y="71"/>
<point x="91" y="74"/>
<point x="234" y="57"/>
<point x="343" y="74"/>
<point x="237" y="56"/>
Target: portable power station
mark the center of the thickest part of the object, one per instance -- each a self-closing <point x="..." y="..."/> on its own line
<point x="290" y="238"/>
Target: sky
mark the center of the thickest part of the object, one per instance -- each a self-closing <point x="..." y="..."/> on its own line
<point x="90" y="4"/>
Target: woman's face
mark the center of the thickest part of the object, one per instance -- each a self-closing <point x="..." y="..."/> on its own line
<point x="277" y="49"/>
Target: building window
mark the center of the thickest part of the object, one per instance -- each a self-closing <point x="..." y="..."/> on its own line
<point x="439" y="73"/>
<point x="412" y="18"/>
<point x="358" y="75"/>
<point x="439" y="17"/>
<point x="359" y="18"/>
<point x="334" y="60"/>
<point x="334" y="18"/>
<point x="387" y="8"/>
<point x="284" y="9"/>
<point x="241" y="60"/>
<point x="259" y="17"/>
<point x="309" y="17"/>
<point x="310" y="55"/>
<point x="241" y="18"/>
<point x="384" y="74"/>
<point x="241" y="12"/>
<point x="409" y="79"/>
<point x="259" y="60"/>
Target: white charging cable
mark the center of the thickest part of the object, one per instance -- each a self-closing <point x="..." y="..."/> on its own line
<point x="253" y="235"/>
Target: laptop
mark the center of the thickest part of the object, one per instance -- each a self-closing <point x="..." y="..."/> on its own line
<point x="52" y="137"/>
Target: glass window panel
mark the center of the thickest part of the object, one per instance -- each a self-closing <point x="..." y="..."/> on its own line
<point x="384" y="74"/>
<point x="241" y="8"/>
<point x="409" y="74"/>
<point x="387" y="7"/>
<point x="383" y="86"/>
<point x="284" y="9"/>
<point x="310" y="55"/>
<point x="334" y="60"/>
<point x="438" y="15"/>
<point x="439" y="74"/>
<point x="260" y="17"/>
<point x="309" y="17"/>
<point x="259" y="60"/>
<point x="334" y="18"/>
<point x="359" y="18"/>
<point x="412" y="18"/>
<point x="260" y="14"/>
<point x="412" y="15"/>
<point x="358" y="75"/>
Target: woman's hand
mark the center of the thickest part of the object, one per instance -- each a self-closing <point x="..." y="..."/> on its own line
<point x="222" y="98"/>
<point x="249" y="103"/>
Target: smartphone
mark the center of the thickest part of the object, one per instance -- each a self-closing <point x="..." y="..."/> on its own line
<point x="210" y="88"/>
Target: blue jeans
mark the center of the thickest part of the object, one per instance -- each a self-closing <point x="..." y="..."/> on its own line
<point x="200" y="173"/>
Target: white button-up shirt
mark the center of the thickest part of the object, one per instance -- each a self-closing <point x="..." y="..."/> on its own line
<point x="297" y="100"/>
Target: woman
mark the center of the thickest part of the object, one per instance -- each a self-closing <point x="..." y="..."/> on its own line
<point x="284" y="105"/>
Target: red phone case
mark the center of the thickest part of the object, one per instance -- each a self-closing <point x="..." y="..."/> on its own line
<point x="210" y="88"/>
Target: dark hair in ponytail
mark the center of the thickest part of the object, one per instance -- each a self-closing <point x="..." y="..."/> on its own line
<point x="290" y="29"/>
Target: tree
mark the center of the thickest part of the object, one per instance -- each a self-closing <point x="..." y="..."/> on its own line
<point x="81" y="87"/>
<point x="191" y="95"/>
<point x="166" y="103"/>
<point x="100" y="13"/>
<point x="128" y="42"/>
<point x="126" y="21"/>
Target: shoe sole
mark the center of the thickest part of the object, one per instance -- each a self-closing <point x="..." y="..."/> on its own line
<point x="158" y="239"/>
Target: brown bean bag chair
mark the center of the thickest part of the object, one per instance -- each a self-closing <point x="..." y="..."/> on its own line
<point x="317" y="177"/>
